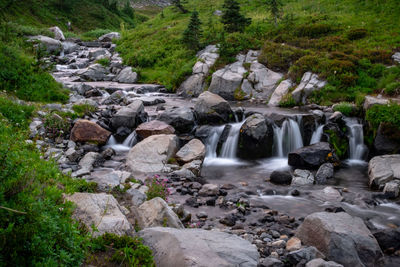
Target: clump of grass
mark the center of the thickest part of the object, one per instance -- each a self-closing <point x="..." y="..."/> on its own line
<point x="83" y="109"/>
<point x="157" y="188"/>
<point x="345" y="108"/>
<point x="105" y="62"/>
<point x="287" y="101"/>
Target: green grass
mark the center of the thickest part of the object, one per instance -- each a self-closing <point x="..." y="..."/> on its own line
<point x="389" y="114"/>
<point x="345" y="108"/>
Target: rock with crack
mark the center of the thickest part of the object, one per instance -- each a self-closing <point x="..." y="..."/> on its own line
<point x="87" y="131"/>
<point x="194" y="150"/>
<point x="198" y="248"/>
<point x="100" y="211"/>
<point x="302" y="177"/>
<point x="263" y="79"/>
<point x="310" y="82"/>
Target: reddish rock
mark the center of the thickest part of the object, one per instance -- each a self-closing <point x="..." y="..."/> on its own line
<point x="87" y="131"/>
<point x="155" y="127"/>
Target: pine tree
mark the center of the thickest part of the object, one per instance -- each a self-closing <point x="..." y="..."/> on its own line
<point x="275" y="8"/>
<point x="232" y="19"/>
<point x="128" y="10"/>
<point x="178" y="4"/>
<point x="192" y="34"/>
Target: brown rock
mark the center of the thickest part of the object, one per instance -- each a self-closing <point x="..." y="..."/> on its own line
<point x="155" y="127"/>
<point x="293" y="244"/>
<point x="87" y="131"/>
<point x="194" y="150"/>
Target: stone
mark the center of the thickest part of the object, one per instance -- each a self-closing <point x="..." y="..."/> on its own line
<point x="310" y="82"/>
<point x="102" y="211"/>
<point x="152" y="154"/>
<point x="209" y="190"/>
<point x="182" y="119"/>
<point x="95" y="72"/>
<point x="388" y="239"/>
<point x="383" y="169"/>
<point x="293" y="244"/>
<point x="396" y="57"/>
<point x="341" y="237"/>
<point x="58" y="34"/>
<point x="108" y="37"/>
<point x="87" y="131"/>
<point x="194" y="150"/>
<point x="154" y="127"/>
<point x="86" y="164"/>
<point x="127" y="76"/>
<point x="197" y="247"/>
<point x="280" y="92"/>
<point x="328" y="194"/>
<point x="263" y="79"/>
<point x="281" y="177"/>
<point x="255" y="138"/>
<point x="70" y="47"/>
<point x="108" y="179"/>
<point x="194" y="166"/>
<point x="156" y="212"/>
<point x="129" y="116"/>
<point x="72" y="154"/>
<point x="51" y="45"/>
<point x="302" y="177"/>
<point x="211" y="108"/>
<point x="313" y="156"/>
<point x="270" y="262"/>
<point x="385" y="140"/>
<point x="98" y="53"/>
<point x="391" y="189"/>
<point x="370" y="101"/>
<point x="322" y="263"/>
<point x="304" y="254"/>
<point x="324" y="172"/>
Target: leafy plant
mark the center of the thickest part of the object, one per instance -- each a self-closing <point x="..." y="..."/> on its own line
<point x="157" y="188"/>
<point x="56" y="126"/>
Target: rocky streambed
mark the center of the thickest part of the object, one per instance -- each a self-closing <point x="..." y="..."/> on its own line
<point x="249" y="184"/>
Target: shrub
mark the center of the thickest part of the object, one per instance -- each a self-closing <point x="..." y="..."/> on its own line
<point x="356" y="34"/>
<point x="104" y="62"/>
<point x="15" y="113"/>
<point x="157" y="188"/>
<point x="56" y="126"/>
<point x="95" y="34"/>
<point x="389" y="114"/>
<point x="345" y="108"/>
<point x="83" y="109"/>
<point x="313" y="30"/>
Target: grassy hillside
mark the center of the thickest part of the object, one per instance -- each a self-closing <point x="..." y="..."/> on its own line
<point x="341" y="40"/>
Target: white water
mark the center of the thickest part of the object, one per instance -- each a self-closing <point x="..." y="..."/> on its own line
<point x="212" y="141"/>
<point x="287" y="138"/>
<point x="356" y="139"/>
<point x="229" y="148"/>
<point x="128" y="143"/>
<point x="317" y="134"/>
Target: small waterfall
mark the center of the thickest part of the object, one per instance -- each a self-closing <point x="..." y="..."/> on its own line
<point x="128" y="143"/>
<point x="229" y="148"/>
<point x="317" y="134"/>
<point x="287" y="138"/>
<point x="212" y="141"/>
<point x="356" y="139"/>
<point x="131" y="140"/>
<point x="111" y="141"/>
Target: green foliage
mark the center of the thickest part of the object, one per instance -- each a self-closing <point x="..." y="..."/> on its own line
<point x="104" y="62"/>
<point x="231" y="17"/>
<point x="340" y="144"/>
<point x="287" y="101"/>
<point x="356" y="34"/>
<point x="128" y="10"/>
<point x="178" y="4"/>
<point x="389" y="114"/>
<point x="157" y="188"/>
<point x="83" y="109"/>
<point x="15" y="113"/>
<point x="56" y="126"/>
<point x="389" y="81"/>
<point x="275" y="8"/>
<point x="95" y="34"/>
<point x="345" y="108"/>
<point x="192" y="34"/>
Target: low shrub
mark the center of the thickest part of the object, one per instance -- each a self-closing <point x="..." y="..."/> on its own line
<point x="56" y="126"/>
<point x="356" y="34"/>
<point x="83" y="109"/>
<point x="104" y="62"/>
<point x="15" y="113"/>
<point x="287" y="101"/>
<point x="345" y="108"/>
<point x="157" y="188"/>
<point x="315" y="30"/>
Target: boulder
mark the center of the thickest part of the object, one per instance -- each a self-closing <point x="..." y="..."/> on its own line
<point x="396" y="57"/>
<point x="391" y="189"/>
<point x="388" y="239"/>
<point x="194" y="150"/>
<point x="280" y="92"/>
<point x="302" y="177"/>
<point x="126" y="76"/>
<point x="387" y="140"/>
<point x="70" y="47"/>
<point x="87" y="131"/>
<point x="341" y="237"/>
<point x="51" y="45"/>
<point x="86" y="164"/>
<point x="102" y="211"/>
<point x="256" y="138"/>
<point x="313" y="156"/>
<point x="107" y="179"/>
<point x="304" y="255"/>
<point x="310" y="82"/>
<point x="211" y="108"/>
<point x="58" y="34"/>
<point x="156" y="212"/>
<point x="97" y="53"/>
<point x="324" y="172"/>
<point x="263" y="79"/>
<point x="154" y="127"/>
<point x="322" y="263"/>
<point x="129" y="116"/>
<point x="108" y="37"/>
<point x="372" y="100"/>
<point x="383" y="169"/>
<point x="197" y="247"/>
<point x="95" y="72"/>
<point x="182" y="119"/>
<point x="328" y="194"/>
<point x="282" y="177"/>
<point x="152" y="154"/>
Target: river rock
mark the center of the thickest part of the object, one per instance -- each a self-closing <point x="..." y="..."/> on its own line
<point x="98" y="53"/>
<point x="127" y="76"/>
<point x="256" y="138"/>
<point x="194" y="150"/>
<point x="322" y="263"/>
<point x="51" y="45"/>
<point x="302" y="177"/>
<point x="107" y="179"/>
<point x="310" y="82"/>
<point x="211" y="108"/>
<point x="197" y="247"/>
<point x="156" y="212"/>
<point x="341" y="237"/>
<point x="293" y="244"/>
<point x="102" y="211"/>
<point x="391" y="189"/>
<point x="372" y="100"/>
<point x="87" y="131"/>
<point x="329" y="194"/>
<point x="313" y="156"/>
<point x="388" y="239"/>
<point x="129" y="116"/>
<point x="209" y="190"/>
<point x="194" y="166"/>
<point x="383" y="169"/>
<point x="108" y="37"/>
<point x="182" y="119"/>
<point x="283" y="177"/>
<point x="95" y="72"/>
<point x="86" y="164"/>
<point x="304" y="255"/>
<point x="280" y="92"/>
<point x="270" y="262"/>
<point x="324" y="172"/>
<point x="152" y="154"/>
<point x="154" y="127"/>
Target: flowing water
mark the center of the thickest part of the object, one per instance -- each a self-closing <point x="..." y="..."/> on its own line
<point x="128" y="143"/>
<point x="358" y="150"/>
<point x="317" y="134"/>
<point x="287" y="138"/>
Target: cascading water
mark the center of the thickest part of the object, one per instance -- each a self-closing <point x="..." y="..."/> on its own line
<point x="287" y="138"/>
<point x="128" y="143"/>
<point x="317" y="134"/>
<point x="356" y="139"/>
<point x="131" y="140"/>
<point x="212" y="141"/>
<point x="229" y="147"/>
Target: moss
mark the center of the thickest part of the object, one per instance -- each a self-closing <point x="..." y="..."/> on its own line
<point x="239" y="95"/>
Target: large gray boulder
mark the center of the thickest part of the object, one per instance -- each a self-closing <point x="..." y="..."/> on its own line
<point x="51" y="45"/>
<point x="152" y="154"/>
<point x="194" y="150"/>
<point x="370" y="101"/>
<point x="182" y="119"/>
<point x="127" y="76"/>
<point x="310" y="82"/>
<point x="313" y="156"/>
<point x="156" y="212"/>
<point x="58" y="34"/>
<point x="129" y="116"/>
<point x="383" y="169"/>
<point x="108" y="37"/>
<point x="256" y="138"/>
<point x="211" y="108"/>
<point x="198" y="248"/>
<point x="101" y="211"/>
<point x="280" y="92"/>
<point x="341" y="237"/>
<point x="95" y="72"/>
<point x="263" y="79"/>
<point x="108" y="179"/>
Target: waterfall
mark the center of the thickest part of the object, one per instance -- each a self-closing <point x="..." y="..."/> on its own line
<point x="287" y="138"/>
<point x="111" y="141"/>
<point x="128" y="143"/>
<point x="212" y="141"/>
<point x="131" y="140"/>
<point x="229" y="147"/>
<point x="317" y="134"/>
<point x="356" y="139"/>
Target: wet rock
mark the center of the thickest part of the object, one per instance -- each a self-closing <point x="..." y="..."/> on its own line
<point x="391" y="189"/>
<point x="327" y="194"/>
<point x="309" y="83"/>
<point x="383" y="169"/>
<point x="194" y="150"/>
<point x="101" y="210"/>
<point x="58" y="34"/>
<point x="127" y="76"/>
<point x="313" y="156"/>
<point x="302" y="177"/>
<point x="211" y="108"/>
<point x="108" y="37"/>
<point x="154" y="127"/>
<point x="209" y="190"/>
<point x="182" y="119"/>
<point x="152" y="154"/>
<point x="324" y="172"/>
<point x="129" y="116"/>
<point x="283" y="177"/>
<point x="256" y="138"/>
<point x="195" y="247"/>
<point x="304" y="255"/>
<point x="280" y="92"/>
<point x="322" y="263"/>
<point x="156" y="212"/>
<point x="387" y="140"/>
<point x="108" y="153"/>
<point x="341" y="237"/>
<point x="87" y="131"/>
<point x="51" y="45"/>
<point x="388" y="239"/>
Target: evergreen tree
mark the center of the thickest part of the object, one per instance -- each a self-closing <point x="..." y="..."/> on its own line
<point x="275" y="8"/>
<point x="232" y="19"/>
<point x="192" y="34"/>
<point x="128" y="10"/>
<point x="178" y="4"/>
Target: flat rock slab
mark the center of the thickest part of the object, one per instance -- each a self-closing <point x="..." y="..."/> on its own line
<point x="196" y="247"/>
